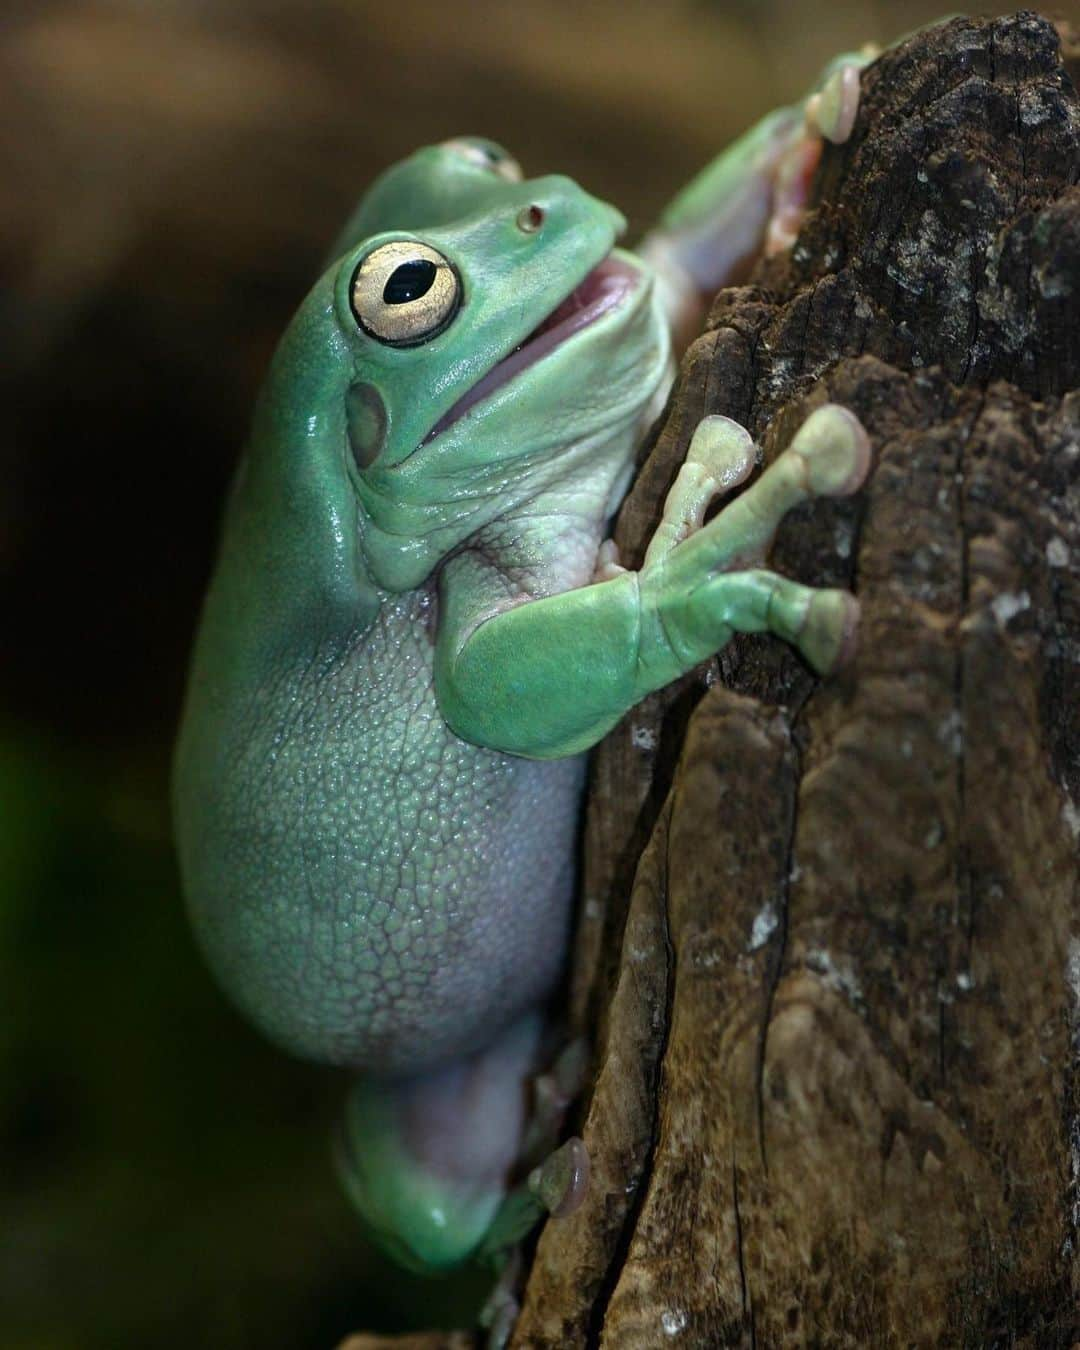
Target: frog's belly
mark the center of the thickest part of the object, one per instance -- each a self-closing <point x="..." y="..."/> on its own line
<point x="374" y="891"/>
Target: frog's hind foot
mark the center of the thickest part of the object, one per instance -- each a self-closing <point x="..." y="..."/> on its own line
<point x="557" y="1187"/>
<point x="561" y="1182"/>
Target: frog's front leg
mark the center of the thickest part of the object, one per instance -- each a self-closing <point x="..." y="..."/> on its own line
<point x="549" y="677"/>
<point x="751" y="199"/>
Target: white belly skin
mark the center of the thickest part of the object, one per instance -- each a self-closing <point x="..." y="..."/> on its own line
<point x="371" y="890"/>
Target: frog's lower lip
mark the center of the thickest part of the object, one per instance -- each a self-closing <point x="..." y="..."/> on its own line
<point x="602" y="290"/>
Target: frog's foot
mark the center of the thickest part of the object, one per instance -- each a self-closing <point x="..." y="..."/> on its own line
<point x="501" y="1307"/>
<point x="552" y="1094"/>
<point x="555" y="1188"/>
<point x="559" y="1179"/>
<point x="714" y="230"/>
<point x="696" y="593"/>
<point x="561" y="1182"/>
<point x="427" y="1160"/>
<point x="829" y="115"/>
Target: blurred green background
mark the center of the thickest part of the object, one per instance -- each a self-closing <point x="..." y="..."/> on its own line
<point x="170" y="173"/>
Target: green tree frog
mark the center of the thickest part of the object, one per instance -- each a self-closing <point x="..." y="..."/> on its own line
<point x="416" y="630"/>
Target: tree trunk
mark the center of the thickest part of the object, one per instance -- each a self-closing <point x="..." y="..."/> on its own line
<point x="828" y="949"/>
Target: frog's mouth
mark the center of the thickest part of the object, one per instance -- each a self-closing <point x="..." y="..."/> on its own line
<point x="601" y="291"/>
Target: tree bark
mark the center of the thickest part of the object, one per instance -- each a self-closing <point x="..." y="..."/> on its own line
<point x="828" y="948"/>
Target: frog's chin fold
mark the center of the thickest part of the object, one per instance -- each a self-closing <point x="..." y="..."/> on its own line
<point x="605" y="288"/>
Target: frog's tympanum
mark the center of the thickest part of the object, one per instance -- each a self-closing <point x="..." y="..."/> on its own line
<point x="416" y="630"/>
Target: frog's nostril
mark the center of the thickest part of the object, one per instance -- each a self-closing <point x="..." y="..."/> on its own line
<point x="530" y="218"/>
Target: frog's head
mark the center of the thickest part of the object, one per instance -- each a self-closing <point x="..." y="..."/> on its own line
<point x="477" y="348"/>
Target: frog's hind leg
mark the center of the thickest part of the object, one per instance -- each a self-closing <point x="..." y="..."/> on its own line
<point x="428" y="1160"/>
<point x="433" y="1163"/>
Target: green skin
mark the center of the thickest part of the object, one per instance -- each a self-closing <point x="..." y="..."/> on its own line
<point x="404" y="656"/>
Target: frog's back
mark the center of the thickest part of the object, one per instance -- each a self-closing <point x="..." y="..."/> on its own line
<point x="370" y="889"/>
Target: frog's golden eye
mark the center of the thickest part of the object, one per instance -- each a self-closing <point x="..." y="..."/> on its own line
<point x="486" y="155"/>
<point x="404" y="293"/>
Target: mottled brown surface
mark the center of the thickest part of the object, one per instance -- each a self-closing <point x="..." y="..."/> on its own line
<point x="835" y="1101"/>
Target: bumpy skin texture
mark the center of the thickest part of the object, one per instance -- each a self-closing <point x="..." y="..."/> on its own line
<point x="377" y="863"/>
<point x="408" y="642"/>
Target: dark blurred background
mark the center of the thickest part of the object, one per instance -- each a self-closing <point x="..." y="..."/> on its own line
<point x="170" y="174"/>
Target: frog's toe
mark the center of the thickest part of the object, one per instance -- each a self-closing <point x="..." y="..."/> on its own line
<point x="501" y="1308"/>
<point x="828" y="636"/>
<point x="791" y="191"/>
<point x="836" y="450"/>
<point x="720" y="457"/>
<point x="500" y="1324"/>
<point x="832" y="110"/>
<point x="552" y="1093"/>
<point x="561" y="1182"/>
<point x="556" y="1089"/>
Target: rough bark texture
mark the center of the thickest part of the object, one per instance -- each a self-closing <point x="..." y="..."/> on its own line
<point x="829" y="941"/>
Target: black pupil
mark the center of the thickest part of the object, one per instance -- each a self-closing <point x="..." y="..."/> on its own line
<point x="409" y="282"/>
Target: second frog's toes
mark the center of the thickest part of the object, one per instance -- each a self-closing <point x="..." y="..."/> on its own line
<point x="831" y="111"/>
<point x="832" y="108"/>
<point x="835" y="449"/>
<point x="829" y="115"/>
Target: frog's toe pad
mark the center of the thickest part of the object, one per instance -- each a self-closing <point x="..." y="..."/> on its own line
<point x="562" y="1180"/>
<point x="828" y="637"/>
<point x="831" y="112"/>
<point x="836" y="449"/>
